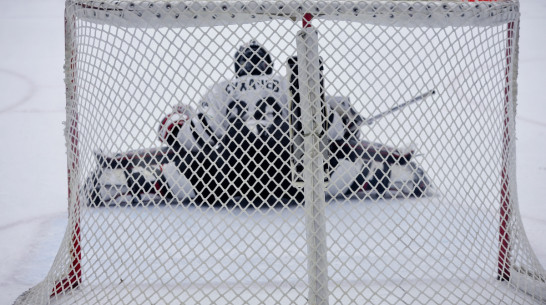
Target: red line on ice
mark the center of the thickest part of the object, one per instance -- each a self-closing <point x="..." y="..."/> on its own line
<point x="27" y="96"/>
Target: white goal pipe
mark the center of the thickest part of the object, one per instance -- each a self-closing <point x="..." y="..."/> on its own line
<point x="313" y="130"/>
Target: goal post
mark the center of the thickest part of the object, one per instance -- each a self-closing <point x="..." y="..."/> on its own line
<point x="181" y="143"/>
<point x="506" y="206"/>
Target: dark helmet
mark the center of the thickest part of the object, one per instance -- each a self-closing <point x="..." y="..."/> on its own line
<point x="253" y="59"/>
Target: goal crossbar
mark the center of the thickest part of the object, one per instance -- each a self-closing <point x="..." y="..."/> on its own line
<point x="155" y="14"/>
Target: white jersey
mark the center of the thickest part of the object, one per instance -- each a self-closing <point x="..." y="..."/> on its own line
<point x="253" y="99"/>
<point x="243" y="97"/>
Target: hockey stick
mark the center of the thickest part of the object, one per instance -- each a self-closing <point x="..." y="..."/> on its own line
<point x="398" y="107"/>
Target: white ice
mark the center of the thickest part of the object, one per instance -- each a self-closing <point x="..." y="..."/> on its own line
<point x="32" y="153"/>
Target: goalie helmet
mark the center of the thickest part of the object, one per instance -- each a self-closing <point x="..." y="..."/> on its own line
<point x="253" y="59"/>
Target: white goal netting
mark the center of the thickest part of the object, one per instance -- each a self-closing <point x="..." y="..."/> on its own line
<point x="291" y="152"/>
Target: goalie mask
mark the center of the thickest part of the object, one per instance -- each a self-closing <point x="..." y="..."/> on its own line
<point x="253" y="59"/>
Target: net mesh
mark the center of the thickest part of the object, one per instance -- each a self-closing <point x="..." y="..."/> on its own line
<point x="374" y="162"/>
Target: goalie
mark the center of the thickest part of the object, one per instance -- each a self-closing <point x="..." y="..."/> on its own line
<point x="237" y="146"/>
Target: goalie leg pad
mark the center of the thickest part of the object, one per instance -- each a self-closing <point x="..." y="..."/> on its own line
<point x="179" y="186"/>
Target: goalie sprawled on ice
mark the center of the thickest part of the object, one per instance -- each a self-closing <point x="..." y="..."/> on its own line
<point x="239" y="146"/>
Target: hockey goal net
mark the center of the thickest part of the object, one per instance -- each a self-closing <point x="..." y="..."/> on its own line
<point x="413" y="201"/>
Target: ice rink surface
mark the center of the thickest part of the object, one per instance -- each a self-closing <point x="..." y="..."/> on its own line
<point x="33" y="161"/>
